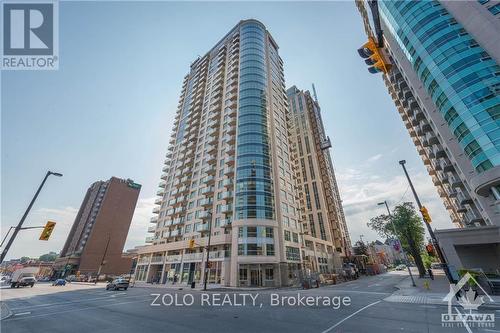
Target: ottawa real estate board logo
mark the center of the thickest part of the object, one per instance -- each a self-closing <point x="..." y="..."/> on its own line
<point x="465" y="314"/>
<point x="30" y="39"/>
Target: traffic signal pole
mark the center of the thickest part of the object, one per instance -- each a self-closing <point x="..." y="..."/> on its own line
<point x="427" y="224"/>
<point x="20" y="224"/>
<point x="208" y="253"/>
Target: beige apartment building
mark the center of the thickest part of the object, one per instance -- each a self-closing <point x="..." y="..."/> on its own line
<point x="229" y="172"/>
<point x="326" y="239"/>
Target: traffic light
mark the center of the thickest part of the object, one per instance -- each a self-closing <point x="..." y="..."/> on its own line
<point x="425" y="215"/>
<point x="191" y="244"/>
<point x="374" y="57"/>
<point x="47" y="231"/>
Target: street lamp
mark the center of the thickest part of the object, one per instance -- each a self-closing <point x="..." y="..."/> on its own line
<point x="19" y="226"/>
<point x="397" y="238"/>
<point x="427" y="224"/>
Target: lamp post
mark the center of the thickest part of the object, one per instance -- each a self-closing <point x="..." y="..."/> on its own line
<point x="208" y="252"/>
<point x="19" y="226"/>
<point x="397" y="238"/>
<point x="427" y="224"/>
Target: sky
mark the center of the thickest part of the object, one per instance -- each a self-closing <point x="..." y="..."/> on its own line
<point x="108" y="110"/>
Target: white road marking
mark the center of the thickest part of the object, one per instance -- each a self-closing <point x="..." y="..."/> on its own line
<point x="78" y="309"/>
<point x="360" y="292"/>
<point x="22" y="313"/>
<point x="488" y="330"/>
<point x="351" y="315"/>
<point x="64" y="303"/>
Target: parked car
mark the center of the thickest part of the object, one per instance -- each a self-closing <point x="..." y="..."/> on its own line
<point x="117" y="284"/>
<point x="24" y="277"/>
<point x="59" y="282"/>
<point x="400" y="267"/>
<point x="44" y="279"/>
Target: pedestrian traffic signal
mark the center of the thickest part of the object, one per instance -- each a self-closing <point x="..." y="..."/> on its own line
<point x="425" y="215"/>
<point x="47" y="230"/>
<point x="430" y="249"/>
<point x="374" y="57"/>
<point x="191" y="243"/>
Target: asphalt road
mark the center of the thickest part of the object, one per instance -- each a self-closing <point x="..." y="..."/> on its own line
<point x="86" y="308"/>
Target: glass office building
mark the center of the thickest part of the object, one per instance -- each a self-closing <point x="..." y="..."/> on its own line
<point x="445" y="82"/>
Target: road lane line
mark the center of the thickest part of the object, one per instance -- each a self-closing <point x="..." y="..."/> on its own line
<point x="350" y="316"/>
<point x="68" y="302"/>
<point x="79" y="309"/>
<point x="22" y="313"/>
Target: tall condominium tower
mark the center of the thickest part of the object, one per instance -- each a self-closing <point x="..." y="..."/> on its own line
<point x="229" y="162"/>
<point x="439" y="60"/>
<point x="100" y="230"/>
<point x="325" y="231"/>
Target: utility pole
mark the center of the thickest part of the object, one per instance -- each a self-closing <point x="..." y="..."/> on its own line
<point x="208" y="252"/>
<point x="427" y="224"/>
<point x="397" y="238"/>
<point x="19" y="226"/>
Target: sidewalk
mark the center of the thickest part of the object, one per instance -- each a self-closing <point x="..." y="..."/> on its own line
<point x="429" y="291"/>
<point x="198" y="287"/>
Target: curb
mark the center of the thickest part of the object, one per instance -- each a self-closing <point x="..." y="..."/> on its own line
<point x="4" y="308"/>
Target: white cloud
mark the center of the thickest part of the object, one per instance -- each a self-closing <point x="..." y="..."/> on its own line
<point x="140" y="222"/>
<point x="27" y="243"/>
<point x="361" y="190"/>
<point x="374" y="158"/>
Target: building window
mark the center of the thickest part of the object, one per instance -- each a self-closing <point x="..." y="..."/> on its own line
<point x="316" y="196"/>
<point x="269" y="274"/>
<point x="287" y="235"/>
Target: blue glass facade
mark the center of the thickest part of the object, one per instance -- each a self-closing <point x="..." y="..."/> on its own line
<point x="254" y="186"/>
<point x="459" y="75"/>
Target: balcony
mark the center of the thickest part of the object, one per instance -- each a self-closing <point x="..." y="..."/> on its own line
<point x="207" y="190"/>
<point x="149" y="240"/>
<point x="204" y="214"/>
<point x="154" y="219"/>
<point x="202" y="227"/>
<point x="160" y="192"/>
<point x="227" y="182"/>
<point x="156" y="210"/>
<point x="152" y="229"/>
<point x="209" y="179"/>
<point x="226" y="209"/>
<point x="206" y="202"/>
<point x="229" y="160"/>
<point x="193" y="256"/>
<point x="174" y="258"/>
<point x="163" y="184"/>
<point x="225" y="223"/>
<point x="157" y="259"/>
<point x="226" y="195"/>
<point x="229" y="171"/>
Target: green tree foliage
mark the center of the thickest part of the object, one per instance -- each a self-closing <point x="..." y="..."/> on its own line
<point x="51" y="256"/>
<point x="407" y="226"/>
<point x="360" y="248"/>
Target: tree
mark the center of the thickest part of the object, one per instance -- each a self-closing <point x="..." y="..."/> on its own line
<point x="51" y="256"/>
<point x="408" y="228"/>
<point x="360" y="248"/>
